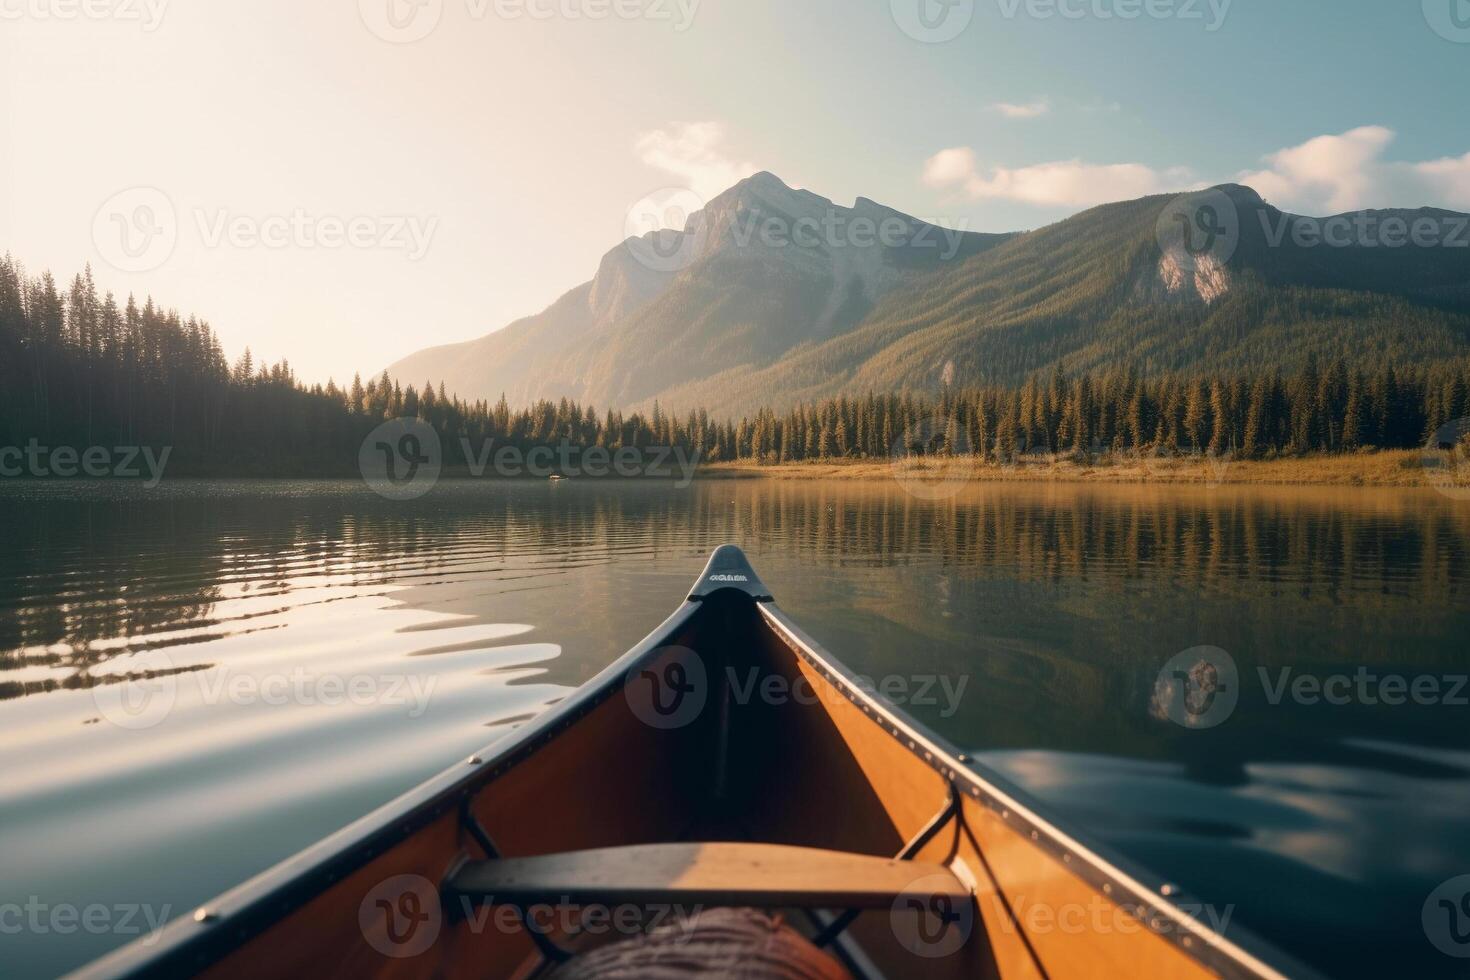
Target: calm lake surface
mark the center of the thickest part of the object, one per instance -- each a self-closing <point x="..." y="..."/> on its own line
<point x="323" y="650"/>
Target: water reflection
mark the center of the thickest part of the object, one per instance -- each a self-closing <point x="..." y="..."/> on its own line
<point x="1320" y="824"/>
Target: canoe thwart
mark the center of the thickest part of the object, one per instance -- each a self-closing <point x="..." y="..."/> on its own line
<point x="708" y="874"/>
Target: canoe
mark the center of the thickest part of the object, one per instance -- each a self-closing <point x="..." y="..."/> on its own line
<point x="725" y="781"/>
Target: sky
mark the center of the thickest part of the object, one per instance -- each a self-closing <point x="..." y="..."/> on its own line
<point x="342" y="183"/>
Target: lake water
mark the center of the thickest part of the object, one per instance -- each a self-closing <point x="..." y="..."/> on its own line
<point x="317" y="650"/>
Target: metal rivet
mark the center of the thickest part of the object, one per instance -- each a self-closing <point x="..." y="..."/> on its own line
<point x="1188" y="941"/>
<point x="1067" y="858"/>
<point x="475" y="760"/>
<point x="1167" y="890"/>
<point x="204" y="915"/>
<point x="1005" y="814"/>
<point x="1107" y="888"/>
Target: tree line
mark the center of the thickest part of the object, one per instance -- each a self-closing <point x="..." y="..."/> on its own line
<point x="81" y="369"/>
<point x="1336" y="409"/>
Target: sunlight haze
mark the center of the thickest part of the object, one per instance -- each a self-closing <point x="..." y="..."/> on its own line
<point x="342" y="200"/>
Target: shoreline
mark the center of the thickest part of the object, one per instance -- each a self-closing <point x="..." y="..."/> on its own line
<point x="936" y="476"/>
<point x="1401" y="468"/>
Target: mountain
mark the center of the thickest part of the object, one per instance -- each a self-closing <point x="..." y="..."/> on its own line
<point x="744" y="307"/>
<point x="762" y="270"/>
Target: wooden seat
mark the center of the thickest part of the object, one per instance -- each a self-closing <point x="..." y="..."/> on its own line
<point x="716" y="875"/>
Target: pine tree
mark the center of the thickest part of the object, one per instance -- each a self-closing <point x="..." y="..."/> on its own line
<point x="1222" y="437"/>
<point x="1196" y="419"/>
<point x="1256" y="436"/>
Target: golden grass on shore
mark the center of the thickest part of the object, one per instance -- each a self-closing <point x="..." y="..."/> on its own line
<point x="1393" y="468"/>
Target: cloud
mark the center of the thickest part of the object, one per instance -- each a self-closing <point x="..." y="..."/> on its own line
<point x="693" y="152"/>
<point x="1347" y="172"/>
<point x="1071" y="183"/>
<point x="949" y="167"/>
<point x="1325" y="175"/>
<point x="1029" y="110"/>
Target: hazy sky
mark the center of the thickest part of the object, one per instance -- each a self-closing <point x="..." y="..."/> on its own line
<point x="342" y="182"/>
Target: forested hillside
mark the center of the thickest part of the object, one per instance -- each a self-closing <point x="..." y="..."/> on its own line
<point x="746" y="324"/>
<point x="1093" y="292"/>
<point x="78" y="369"/>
